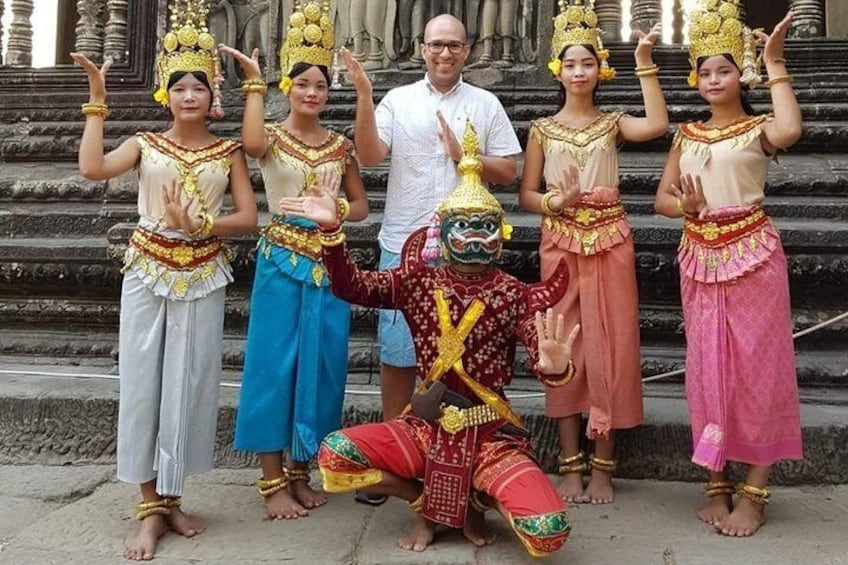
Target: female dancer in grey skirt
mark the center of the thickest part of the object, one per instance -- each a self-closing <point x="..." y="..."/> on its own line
<point x="172" y="300"/>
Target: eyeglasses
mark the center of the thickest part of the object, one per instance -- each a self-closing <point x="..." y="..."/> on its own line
<point x="437" y="47"/>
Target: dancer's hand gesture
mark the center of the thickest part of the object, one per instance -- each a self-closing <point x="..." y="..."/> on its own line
<point x="357" y="75"/>
<point x="249" y="65"/>
<point x="176" y="212"/>
<point x="566" y="191"/>
<point x="554" y="345"/>
<point x="774" y="43"/>
<point x="645" y="43"/>
<point x="320" y="201"/>
<point x="691" y="195"/>
<point x="96" y="77"/>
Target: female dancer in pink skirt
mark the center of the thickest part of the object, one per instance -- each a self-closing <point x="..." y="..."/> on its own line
<point x="588" y="228"/>
<point x="740" y="364"/>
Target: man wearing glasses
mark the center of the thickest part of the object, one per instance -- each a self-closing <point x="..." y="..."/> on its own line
<point x="416" y="124"/>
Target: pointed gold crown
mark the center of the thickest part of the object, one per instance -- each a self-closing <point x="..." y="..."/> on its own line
<point x="187" y="47"/>
<point x="471" y="195"/>
<point x="577" y="24"/>
<point x="716" y="28"/>
<point x="309" y="39"/>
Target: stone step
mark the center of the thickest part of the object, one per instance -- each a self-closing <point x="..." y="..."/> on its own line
<point x="33" y="407"/>
<point x="820" y="365"/>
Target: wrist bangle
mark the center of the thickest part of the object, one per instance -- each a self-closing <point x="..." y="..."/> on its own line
<point x="331" y="239"/>
<point x="343" y="209"/>
<point x="569" y="375"/>
<point x="254" y="85"/>
<point x="546" y="205"/>
<point x="778" y="79"/>
<point x="206" y="223"/>
<point x="95" y="109"/>
<point x="649" y="71"/>
<point x="683" y="210"/>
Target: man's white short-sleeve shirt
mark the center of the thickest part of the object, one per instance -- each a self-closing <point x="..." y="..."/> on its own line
<point x="421" y="173"/>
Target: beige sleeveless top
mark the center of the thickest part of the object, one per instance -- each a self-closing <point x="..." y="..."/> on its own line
<point x="204" y="171"/>
<point x="592" y="149"/>
<point x="730" y="160"/>
<point x="290" y="166"/>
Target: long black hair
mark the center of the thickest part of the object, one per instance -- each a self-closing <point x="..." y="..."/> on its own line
<point x="562" y="93"/>
<point x="746" y="105"/>
<point x="301" y="67"/>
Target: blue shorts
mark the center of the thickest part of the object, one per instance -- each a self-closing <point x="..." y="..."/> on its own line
<point x="396" y="347"/>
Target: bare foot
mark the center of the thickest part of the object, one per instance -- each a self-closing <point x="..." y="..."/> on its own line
<point x="716" y="510"/>
<point x="744" y="521"/>
<point x="303" y="493"/>
<point x="599" y="490"/>
<point x="281" y="506"/>
<point x="570" y="489"/>
<point x="475" y="529"/>
<point x="419" y="536"/>
<point x="142" y="545"/>
<point x="183" y="524"/>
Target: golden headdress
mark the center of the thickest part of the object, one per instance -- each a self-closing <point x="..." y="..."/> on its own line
<point x="716" y="28"/>
<point x="189" y="47"/>
<point x="577" y="24"/>
<point x="470" y="195"/>
<point x="309" y="39"/>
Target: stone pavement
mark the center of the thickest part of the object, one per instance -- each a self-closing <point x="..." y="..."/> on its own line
<point x="78" y="515"/>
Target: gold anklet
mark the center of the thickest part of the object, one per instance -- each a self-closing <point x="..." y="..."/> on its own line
<point x="605" y="465"/>
<point x="298" y="475"/>
<point x="418" y="504"/>
<point x="270" y="487"/>
<point x="719" y="488"/>
<point x="573" y="464"/>
<point x="756" y="495"/>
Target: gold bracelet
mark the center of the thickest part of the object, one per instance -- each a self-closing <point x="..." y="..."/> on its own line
<point x="95" y="109"/>
<point x="682" y="210"/>
<point x="254" y="85"/>
<point x="343" y="209"/>
<point x="332" y="239"/>
<point x="648" y="71"/>
<point x="778" y="79"/>
<point x="206" y="223"/>
<point x="546" y="205"/>
<point x="569" y="375"/>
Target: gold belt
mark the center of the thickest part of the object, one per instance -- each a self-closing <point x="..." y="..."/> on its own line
<point x="300" y="240"/>
<point x="456" y="419"/>
<point x="174" y="253"/>
<point x="586" y="216"/>
<point x="722" y="231"/>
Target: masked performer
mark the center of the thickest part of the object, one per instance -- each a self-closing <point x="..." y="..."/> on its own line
<point x="172" y="299"/>
<point x="740" y="362"/>
<point x="462" y="444"/>
<point x="297" y="339"/>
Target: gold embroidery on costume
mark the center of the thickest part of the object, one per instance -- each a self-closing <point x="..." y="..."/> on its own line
<point x="695" y="138"/>
<point x="580" y="143"/>
<point x="336" y="149"/>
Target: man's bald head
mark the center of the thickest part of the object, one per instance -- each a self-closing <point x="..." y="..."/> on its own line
<point x="445" y="25"/>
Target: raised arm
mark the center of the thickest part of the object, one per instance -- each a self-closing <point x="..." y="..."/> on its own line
<point x="655" y="122"/>
<point x="785" y="129"/>
<point x="253" y="136"/>
<point x="93" y="164"/>
<point x="369" y="146"/>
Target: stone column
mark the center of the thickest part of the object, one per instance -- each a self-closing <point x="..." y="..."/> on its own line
<point x="1" y="33"/>
<point x="609" y="18"/>
<point x="20" y="34"/>
<point x="90" y="29"/>
<point x="677" y="22"/>
<point x="644" y="14"/>
<point x="809" y="18"/>
<point x="115" y="42"/>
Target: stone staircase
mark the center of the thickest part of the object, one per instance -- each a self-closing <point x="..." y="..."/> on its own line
<point x="60" y="237"/>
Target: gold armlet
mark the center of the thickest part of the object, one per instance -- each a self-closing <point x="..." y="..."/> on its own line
<point x="756" y="495"/>
<point x="606" y="465"/>
<point x="778" y="79"/>
<point x="294" y="475"/>
<point x="476" y="503"/>
<point x="418" y="504"/>
<point x="272" y="486"/>
<point x="254" y="85"/>
<point x="648" y="71"/>
<point x="719" y="488"/>
<point x="95" y="109"/>
<point x="332" y="239"/>
<point x="569" y="375"/>
<point x="546" y="205"/>
<point x="343" y="209"/>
